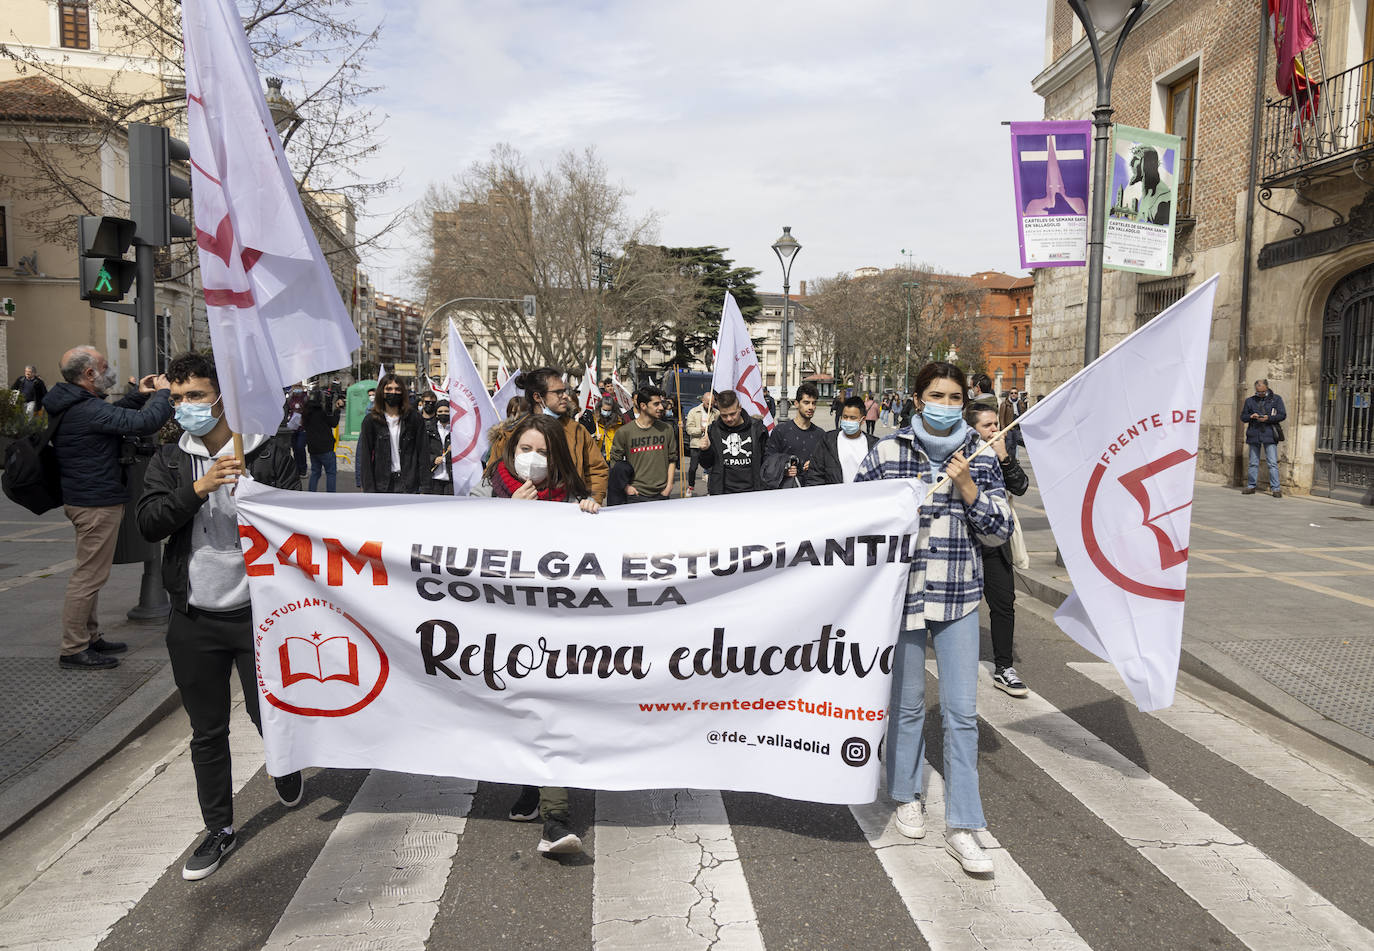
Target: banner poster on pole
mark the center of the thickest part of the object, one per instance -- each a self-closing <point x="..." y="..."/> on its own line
<point x="1142" y="205"/>
<point x="1049" y="162"/>
<point x="739" y="643"/>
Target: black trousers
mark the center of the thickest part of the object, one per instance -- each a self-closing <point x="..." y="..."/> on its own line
<point x="999" y="589"/>
<point x="205" y="648"/>
<point x="870" y="424"/>
<point x="692" y="467"/>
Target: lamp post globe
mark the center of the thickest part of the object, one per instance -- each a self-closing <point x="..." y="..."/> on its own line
<point x="786" y="248"/>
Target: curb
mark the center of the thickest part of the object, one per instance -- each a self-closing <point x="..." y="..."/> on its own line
<point x="156" y="698"/>
<point x="1220" y="670"/>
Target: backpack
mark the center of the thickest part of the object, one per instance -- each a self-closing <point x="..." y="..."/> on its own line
<point x="32" y="478"/>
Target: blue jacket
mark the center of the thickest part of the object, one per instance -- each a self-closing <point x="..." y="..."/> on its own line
<point x="88" y="439"/>
<point x="1271" y="405"/>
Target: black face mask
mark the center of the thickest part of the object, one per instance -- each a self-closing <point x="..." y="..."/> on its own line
<point x="443" y="419"/>
<point x="394" y="399"/>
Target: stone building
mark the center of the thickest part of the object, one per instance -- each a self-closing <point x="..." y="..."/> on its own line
<point x="1285" y="216"/>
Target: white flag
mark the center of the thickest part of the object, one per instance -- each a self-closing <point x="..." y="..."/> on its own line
<point x="471" y="414"/>
<point x="503" y="395"/>
<point x="587" y="392"/>
<point x="737" y="366"/>
<point x="502" y="374"/>
<point x="623" y="398"/>
<point x="274" y="311"/>
<point x="381" y="371"/>
<point x="1115" y="450"/>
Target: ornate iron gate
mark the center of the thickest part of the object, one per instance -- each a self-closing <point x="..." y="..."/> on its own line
<point x="1345" y="424"/>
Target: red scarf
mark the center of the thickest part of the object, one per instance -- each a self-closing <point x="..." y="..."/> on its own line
<point x="551" y="494"/>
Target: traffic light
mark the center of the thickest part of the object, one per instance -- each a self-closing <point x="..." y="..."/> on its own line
<point x="105" y="274"/>
<point x="153" y="187"/>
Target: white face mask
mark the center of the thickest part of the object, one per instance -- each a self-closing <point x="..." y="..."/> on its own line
<point x="531" y="466"/>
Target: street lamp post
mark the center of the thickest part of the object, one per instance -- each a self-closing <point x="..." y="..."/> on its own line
<point x="906" y="370"/>
<point x="786" y="248"/>
<point x="1104" y="15"/>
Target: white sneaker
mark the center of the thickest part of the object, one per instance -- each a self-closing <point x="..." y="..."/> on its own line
<point x="963" y="845"/>
<point x="911" y="819"/>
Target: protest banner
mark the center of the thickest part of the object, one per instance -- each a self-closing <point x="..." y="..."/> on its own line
<point x="737" y="365"/>
<point x="1143" y="204"/>
<point x="745" y="646"/>
<point x="1049" y="163"/>
<point x="274" y="311"/>
<point x="1115" y="452"/>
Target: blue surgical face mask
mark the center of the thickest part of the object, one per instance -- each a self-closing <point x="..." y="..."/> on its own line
<point x="197" y="418"/>
<point x="939" y="416"/>
<point x="850" y="426"/>
<point x="549" y="412"/>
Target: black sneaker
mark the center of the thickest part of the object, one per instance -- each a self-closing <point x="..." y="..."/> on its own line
<point x="86" y="660"/>
<point x="526" y="808"/>
<point x="207" y="856"/>
<point x="1006" y="681"/>
<point x="102" y="646"/>
<point x="290" y="788"/>
<point x="559" y="839"/>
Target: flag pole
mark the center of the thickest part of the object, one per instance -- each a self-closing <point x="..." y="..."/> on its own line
<point x="945" y="479"/>
<point x="238" y="449"/>
<point x="681" y="472"/>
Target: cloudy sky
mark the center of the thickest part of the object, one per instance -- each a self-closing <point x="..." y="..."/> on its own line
<point x="869" y="126"/>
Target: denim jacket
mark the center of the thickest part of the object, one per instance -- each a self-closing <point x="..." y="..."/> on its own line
<point x="948" y="582"/>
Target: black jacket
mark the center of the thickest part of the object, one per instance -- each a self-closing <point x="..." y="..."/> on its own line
<point x="30" y="390"/>
<point x="88" y="439"/>
<point x="167" y="509"/>
<point x="712" y="456"/>
<point x="373" y="456"/>
<point x="1017" y="483"/>
<point x="830" y="447"/>
<point x="437" y="438"/>
<point x="782" y="442"/>
<point x="1271" y="405"/>
<point x="318" y="422"/>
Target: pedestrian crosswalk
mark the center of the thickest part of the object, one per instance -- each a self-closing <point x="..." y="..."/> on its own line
<point x="394" y="861"/>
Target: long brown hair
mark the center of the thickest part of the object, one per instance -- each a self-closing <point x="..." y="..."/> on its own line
<point x="563" y="472"/>
<point x="379" y="402"/>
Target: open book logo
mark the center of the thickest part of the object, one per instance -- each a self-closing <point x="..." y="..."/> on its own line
<point x="1162" y="491"/>
<point x="328" y="672"/>
<point x="318" y="658"/>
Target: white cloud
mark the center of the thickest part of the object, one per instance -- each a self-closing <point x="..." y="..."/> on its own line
<point x="867" y="129"/>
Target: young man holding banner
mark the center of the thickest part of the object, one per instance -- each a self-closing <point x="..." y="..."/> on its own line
<point x="188" y="499"/>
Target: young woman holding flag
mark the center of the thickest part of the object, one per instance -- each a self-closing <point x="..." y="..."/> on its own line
<point x="943" y="591"/>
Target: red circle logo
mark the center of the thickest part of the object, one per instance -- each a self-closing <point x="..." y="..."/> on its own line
<point x="316" y="660"/>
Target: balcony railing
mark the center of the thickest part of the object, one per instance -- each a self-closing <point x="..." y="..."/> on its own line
<point x="1337" y="123"/>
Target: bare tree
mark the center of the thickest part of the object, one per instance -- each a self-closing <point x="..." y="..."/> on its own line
<point x="329" y="129"/>
<point x="501" y="230"/>
<point x="866" y="320"/>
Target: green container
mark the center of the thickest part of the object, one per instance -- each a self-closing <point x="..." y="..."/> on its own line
<point x="355" y="408"/>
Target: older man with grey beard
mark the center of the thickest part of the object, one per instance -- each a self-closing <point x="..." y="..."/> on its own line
<point x="87" y="442"/>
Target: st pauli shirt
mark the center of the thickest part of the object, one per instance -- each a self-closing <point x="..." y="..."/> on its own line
<point x="648" y="451"/>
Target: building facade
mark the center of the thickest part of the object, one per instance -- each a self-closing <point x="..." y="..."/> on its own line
<point x="1005" y="310"/>
<point x="1283" y="213"/>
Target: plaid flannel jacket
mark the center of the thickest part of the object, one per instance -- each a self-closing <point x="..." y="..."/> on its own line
<point x="947" y="583"/>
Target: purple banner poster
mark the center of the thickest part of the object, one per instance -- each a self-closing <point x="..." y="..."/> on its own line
<point x="1049" y="162"/>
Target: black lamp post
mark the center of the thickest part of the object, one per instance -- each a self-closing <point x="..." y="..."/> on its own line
<point x="1104" y="16"/>
<point x="786" y="248"/>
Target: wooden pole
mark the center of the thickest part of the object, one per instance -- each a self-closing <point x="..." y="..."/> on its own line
<point x="681" y="469"/>
<point x="238" y="450"/>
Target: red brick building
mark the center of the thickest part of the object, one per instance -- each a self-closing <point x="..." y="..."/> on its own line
<point x="1006" y="313"/>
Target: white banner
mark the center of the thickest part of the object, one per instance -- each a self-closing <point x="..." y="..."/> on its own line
<point x="588" y="393"/>
<point x="741" y="643"/>
<point x="274" y="311"/>
<point x="737" y="366"/>
<point x="500" y="400"/>
<point x="471" y="414"/>
<point x="1115" y="451"/>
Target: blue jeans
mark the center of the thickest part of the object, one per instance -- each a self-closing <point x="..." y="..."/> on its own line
<point x="330" y="464"/>
<point x="956" y="658"/>
<point x="1271" y="458"/>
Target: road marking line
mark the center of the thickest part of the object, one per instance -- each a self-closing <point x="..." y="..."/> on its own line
<point x="380" y="876"/>
<point x="98" y="880"/>
<point x="1325" y="790"/>
<point x="954" y="910"/>
<point x="1262" y="903"/>
<point x="38" y="575"/>
<point x="668" y="874"/>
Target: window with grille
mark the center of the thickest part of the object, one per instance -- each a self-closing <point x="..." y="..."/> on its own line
<point x="75" y="17"/>
<point x="1154" y="297"/>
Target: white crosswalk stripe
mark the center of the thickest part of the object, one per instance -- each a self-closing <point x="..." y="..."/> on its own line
<point x="377" y="882"/>
<point x="958" y="912"/>
<point x="79" y="897"/>
<point x="668" y="874"/>
<point x="1326" y="790"/>
<point x="1258" y="900"/>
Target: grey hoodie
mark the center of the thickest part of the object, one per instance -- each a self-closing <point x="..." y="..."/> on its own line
<point x="215" y="575"/>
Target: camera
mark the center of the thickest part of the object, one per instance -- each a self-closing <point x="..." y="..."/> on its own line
<point x="793" y="463"/>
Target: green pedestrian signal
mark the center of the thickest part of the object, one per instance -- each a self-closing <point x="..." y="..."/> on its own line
<point x="103" y="283"/>
<point x="106" y="275"/>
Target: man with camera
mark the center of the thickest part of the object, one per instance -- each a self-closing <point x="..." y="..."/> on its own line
<point x="793" y="458"/>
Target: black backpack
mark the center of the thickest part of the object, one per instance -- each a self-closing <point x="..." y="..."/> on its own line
<point x="32" y="478"/>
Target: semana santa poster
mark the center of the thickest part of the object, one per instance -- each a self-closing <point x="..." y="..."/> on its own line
<point x="1143" y="206"/>
<point x="1049" y="162"/>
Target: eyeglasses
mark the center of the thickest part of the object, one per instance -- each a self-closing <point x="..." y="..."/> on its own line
<point x="562" y="392"/>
